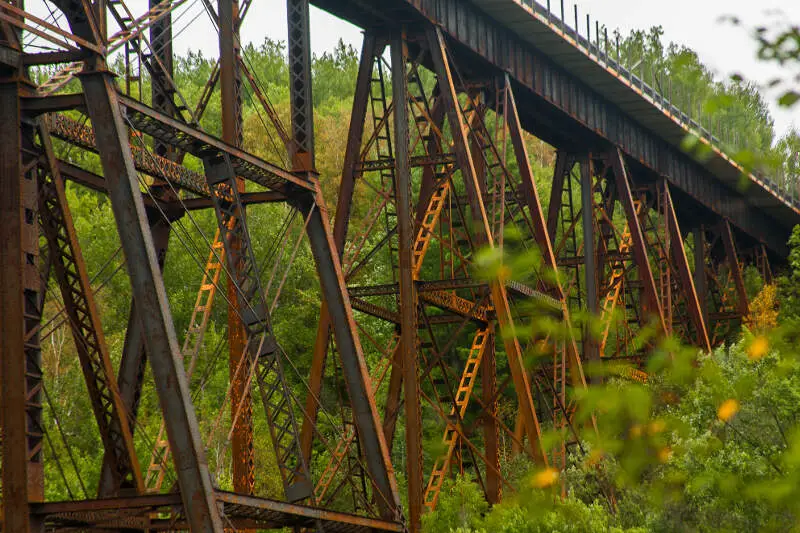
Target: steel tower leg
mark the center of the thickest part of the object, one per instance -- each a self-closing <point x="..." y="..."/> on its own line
<point x="700" y="280"/>
<point x="590" y="347"/>
<point x="408" y="297"/>
<point x="494" y="486"/>
<point x="354" y="369"/>
<point x="242" y="447"/>
<point x="678" y="253"/>
<point x="729" y="242"/>
<point x="20" y="308"/>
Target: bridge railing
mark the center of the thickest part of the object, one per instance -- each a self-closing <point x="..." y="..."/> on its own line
<point x="782" y="184"/>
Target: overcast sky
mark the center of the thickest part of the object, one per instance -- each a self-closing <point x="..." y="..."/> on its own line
<point x="694" y="23"/>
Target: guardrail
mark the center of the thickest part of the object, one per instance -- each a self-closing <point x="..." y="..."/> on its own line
<point x="608" y="54"/>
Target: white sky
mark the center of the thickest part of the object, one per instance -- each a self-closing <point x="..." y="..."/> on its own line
<point x="694" y="23"/>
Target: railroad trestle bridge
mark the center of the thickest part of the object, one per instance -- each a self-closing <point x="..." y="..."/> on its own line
<point x="447" y="91"/>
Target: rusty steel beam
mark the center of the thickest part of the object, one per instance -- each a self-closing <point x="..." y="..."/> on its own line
<point x="408" y="291"/>
<point x="625" y="198"/>
<point x="687" y="285"/>
<point x="242" y="440"/>
<point x="700" y="280"/>
<point x="542" y="233"/>
<point x="198" y="143"/>
<point x="77" y="134"/>
<point x="729" y="243"/>
<point x="20" y="305"/>
<point x="491" y="429"/>
<point x="554" y="207"/>
<point x="517" y="367"/>
<point x="120" y="462"/>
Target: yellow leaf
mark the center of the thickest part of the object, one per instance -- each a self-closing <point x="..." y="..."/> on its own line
<point x="728" y="409"/>
<point x="758" y="348"/>
<point x="504" y="273"/>
<point x="657" y="426"/>
<point x="544" y="478"/>
<point x="595" y="456"/>
<point x="664" y="454"/>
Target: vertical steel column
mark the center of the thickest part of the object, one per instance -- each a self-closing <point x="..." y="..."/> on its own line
<point x="242" y="447"/>
<point x="20" y="309"/>
<point x="622" y="180"/>
<point x="729" y="243"/>
<point x="682" y="264"/>
<point x="491" y="430"/>
<point x="498" y="291"/>
<point x="299" y="44"/>
<point x="344" y="204"/>
<point x="197" y="492"/>
<point x="700" y="280"/>
<point x="408" y="296"/>
<point x="161" y="92"/>
<point x="590" y="347"/>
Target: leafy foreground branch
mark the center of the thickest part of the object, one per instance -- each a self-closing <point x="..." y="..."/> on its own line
<point x="710" y="443"/>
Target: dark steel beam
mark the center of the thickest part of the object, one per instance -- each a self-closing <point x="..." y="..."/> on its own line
<point x="344" y="206"/>
<point x="37" y="105"/>
<point x="132" y="365"/>
<point x="302" y="103"/>
<point x="162" y="94"/>
<point x="148" y="290"/>
<point x="590" y="346"/>
<point x="354" y="369"/>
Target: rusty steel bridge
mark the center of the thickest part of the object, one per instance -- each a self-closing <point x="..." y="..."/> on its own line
<point x="447" y="91"/>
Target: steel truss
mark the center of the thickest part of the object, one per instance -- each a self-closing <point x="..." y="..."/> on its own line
<point x="445" y="166"/>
